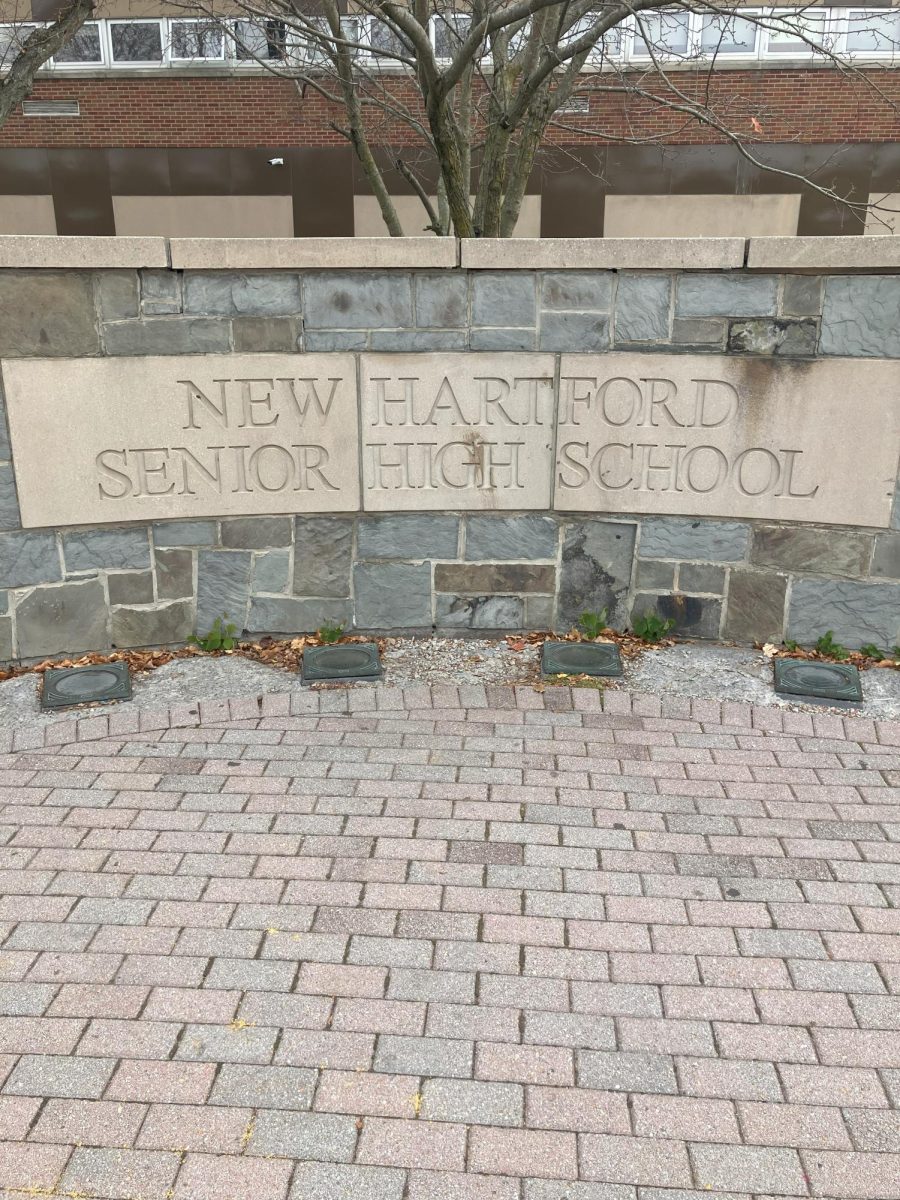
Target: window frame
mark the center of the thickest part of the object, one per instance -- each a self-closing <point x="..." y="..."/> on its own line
<point x="146" y="64"/>
<point x="103" y="61"/>
<point x="201" y="59"/>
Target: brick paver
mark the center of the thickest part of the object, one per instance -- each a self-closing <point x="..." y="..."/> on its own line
<point x="452" y="944"/>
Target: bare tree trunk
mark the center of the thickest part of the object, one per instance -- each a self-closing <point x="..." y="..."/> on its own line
<point x="41" y="45"/>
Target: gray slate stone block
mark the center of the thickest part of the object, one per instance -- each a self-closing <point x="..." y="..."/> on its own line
<point x="698" y="577"/>
<point x="442" y="301"/>
<point x="6" y="639"/>
<point x="702" y="294"/>
<point x="886" y="561"/>
<point x="642" y="308"/>
<point x="174" y="573"/>
<point x="161" y="293"/>
<point x="585" y="291"/>
<point x="62" y="618"/>
<point x="5" y="450"/>
<point x="802" y="296"/>
<point x="503" y="298"/>
<point x="860" y="316"/>
<point x="779" y="338"/>
<point x="479" y="612"/>
<point x="695" y="331"/>
<point x="323" y="549"/>
<point x="755" y="611"/>
<point x="257" y="533"/>
<point x="654" y="576"/>
<point x="503" y="339"/>
<point x="694" y="617"/>
<point x="684" y="538"/>
<point x="117" y="293"/>
<point x="235" y="293"/>
<point x="266" y="335"/>
<point x="9" y="500"/>
<point x="573" y="332"/>
<point x="596" y="570"/>
<point x="130" y="587"/>
<point x="856" y="612"/>
<point x="27" y="558"/>
<point x="271" y="571"/>
<point x="359" y="300"/>
<point x="223" y="587"/>
<point x="408" y="535"/>
<point x="168" y="335"/>
<point x="184" y="533"/>
<point x="91" y="549"/>
<point x="159" y="626"/>
<point x="818" y="551"/>
<point x="518" y="538"/>
<point x="270" y="614"/>
<point x="48" y="315"/>
<point x="326" y="340"/>
<point x="392" y="595"/>
<point x="405" y="341"/>
<point x="471" y="579"/>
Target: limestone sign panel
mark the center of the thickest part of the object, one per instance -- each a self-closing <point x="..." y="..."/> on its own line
<point x="128" y="439"/>
<point x="457" y="431"/>
<point x="728" y="437"/>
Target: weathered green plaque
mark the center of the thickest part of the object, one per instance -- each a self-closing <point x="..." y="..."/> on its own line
<point x="65" y="686"/>
<point x="581" y="658"/>
<point x="348" y="662"/>
<point x="819" y="680"/>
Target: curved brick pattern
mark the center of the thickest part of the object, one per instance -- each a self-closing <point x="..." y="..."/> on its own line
<point x="451" y="944"/>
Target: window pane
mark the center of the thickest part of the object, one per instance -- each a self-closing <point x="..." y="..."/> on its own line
<point x="803" y="31"/>
<point x="259" y="40"/>
<point x="728" y="35"/>
<point x="83" y="48"/>
<point x="871" y="31"/>
<point x="136" y="41"/>
<point x="449" y="31"/>
<point x="195" y="39"/>
<point x="383" y="38"/>
<point x="12" y="39"/>
<point x="663" y="33"/>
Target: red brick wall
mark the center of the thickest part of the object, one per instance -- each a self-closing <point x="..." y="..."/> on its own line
<point x="814" y="105"/>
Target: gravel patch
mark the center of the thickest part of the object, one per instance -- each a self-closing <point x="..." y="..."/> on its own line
<point x="686" y="669"/>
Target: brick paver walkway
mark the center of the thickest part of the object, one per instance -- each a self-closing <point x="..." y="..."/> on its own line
<point x="456" y="947"/>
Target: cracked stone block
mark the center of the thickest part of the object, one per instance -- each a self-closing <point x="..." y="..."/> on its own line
<point x="161" y="293"/>
<point x="62" y="618"/>
<point x="585" y="291"/>
<point x="442" y="301"/>
<point x="174" y="573"/>
<point x="130" y="587"/>
<point x="523" y="537"/>
<point x="729" y="294"/>
<point x="817" y="551"/>
<point x="158" y="626"/>
<point x="49" y="315"/>
<point x="358" y="300"/>
<point x="783" y="339"/>
<point x="408" y="535"/>
<point x="234" y="293"/>
<point x="859" y="316"/>
<point x="223" y="588"/>
<point x="27" y="558"/>
<point x="290" y="615"/>
<point x="503" y="298"/>
<point x="596" y="570"/>
<point x="693" y="616"/>
<point x="683" y="538"/>
<point x="91" y="549"/>
<point x="479" y="612"/>
<point x="755" y="611"/>
<point x="857" y="613"/>
<point x="642" y="308"/>
<point x="392" y="595"/>
<point x="323" y="551"/>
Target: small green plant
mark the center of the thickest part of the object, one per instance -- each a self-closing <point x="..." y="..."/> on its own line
<point x="790" y="644"/>
<point x="828" y="646"/>
<point x="220" y="637"/>
<point x="329" y="633"/>
<point x="651" y="627"/>
<point x="592" y="624"/>
<point x="895" y="652"/>
<point x="871" y="651"/>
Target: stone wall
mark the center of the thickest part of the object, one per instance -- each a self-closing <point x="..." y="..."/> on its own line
<point x="154" y="582"/>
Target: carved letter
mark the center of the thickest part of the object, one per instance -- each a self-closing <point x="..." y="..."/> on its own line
<point x="720" y="464"/>
<point x="604" y="473"/>
<point x="669" y="392"/>
<point x="772" y="471"/>
<point x="567" y="458"/>
<point x="124" y="481"/>
<point x="248" y="400"/>
<point x="490" y="402"/>
<point x="446" y="401"/>
<point x="728" y="404"/>
<point x="147" y="470"/>
<point x="790" y="456"/>
<point x="280" y="469"/>
<point x="310" y="394"/>
<point x="310" y="461"/>
<point x="194" y="395"/>
<point x="631" y="394"/>
<point x="382" y="400"/>
<point x="188" y="457"/>
<point x="569" y="397"/>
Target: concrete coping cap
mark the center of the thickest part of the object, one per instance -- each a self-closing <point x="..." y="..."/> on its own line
<point x="577" y="254"/>
<point x="341" y="253"/>
<point x="51" y="250"/>
<point x="826" y="254"/>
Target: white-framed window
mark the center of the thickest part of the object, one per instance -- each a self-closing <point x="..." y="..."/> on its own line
<point x="665" y="34"/>
<point x="196" y="41"/>
<point x="258" y="41"/>
<point x="136" y="43"/>
<point x="448" y="31"/>
<point x="728" y="35"/>
<point x="872" y="33"/>
<point x="609" y="47"/>
<point x="796" y="33"/>
<point x="84" y="49"/>
<point x="12" y="39"/>
<point x="387" y="47"/>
